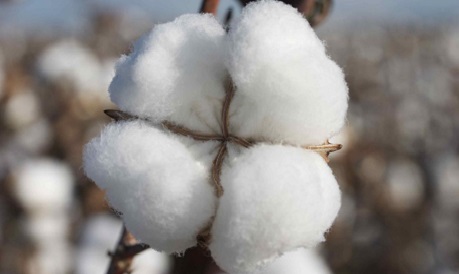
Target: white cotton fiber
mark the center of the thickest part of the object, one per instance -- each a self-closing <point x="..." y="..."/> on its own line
<point x="277" y="198"/>
<point x="287" y="87"/>
<point x="300" y="261"/>
<point x="150" y="262"/>
<point x="175" y="73"/>
<point x="153" y="179"/>
<point x="44" y="186"/>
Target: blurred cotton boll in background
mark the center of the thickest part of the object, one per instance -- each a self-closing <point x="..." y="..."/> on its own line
<point x="44" y="188"/>
<point x="70" y="60"/>
<point x="405" y="184"/>
<point x="99" y="234"/>
<point x="22" y="109"/>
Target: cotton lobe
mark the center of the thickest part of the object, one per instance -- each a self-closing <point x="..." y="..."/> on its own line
<point x="288" y="89"/>
<point x="276" y="197"/>
<point x="174" y="73"/>
<point x="288" y="93"/>
<point x="158" y="186"/>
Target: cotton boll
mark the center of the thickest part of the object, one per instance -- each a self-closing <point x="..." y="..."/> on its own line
<point x="150" y="262"/>
<point x="447" y="174"/>
<point x="53" y="259"/>
<point x="277" y="198"/>
<point x="175" y="73"/>
<point x="22" y="109"/>
<point x="404" y="184"/>
<point x="35" y="137"/>
<point x="91" y="260"/>
<point x="287" y="88"/>
<point x="149" y="176"/>
<point x="101" y="231"/>
<point x="44" y="186"/>
<point x="44" y="230"/>
<point x="69" y="60"/>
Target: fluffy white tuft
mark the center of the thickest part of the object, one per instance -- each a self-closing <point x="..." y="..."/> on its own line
<point x="277" y="198"/>
<point x="287" y="87"/>
<point x="44" y="186"/>
<point x="150" y="261"/>
<point x="175" y="73"/>
<point x="300" y="261"/>
<point x="161" y="190"/>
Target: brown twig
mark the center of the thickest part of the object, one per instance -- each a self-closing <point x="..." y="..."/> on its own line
<point x="125" y="251"/>
<point x="209" y="6"/>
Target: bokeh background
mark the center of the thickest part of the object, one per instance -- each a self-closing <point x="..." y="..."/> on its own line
<point x="399" y="169"/>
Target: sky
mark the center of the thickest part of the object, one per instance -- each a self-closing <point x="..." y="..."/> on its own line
<point x="73" y="15"/>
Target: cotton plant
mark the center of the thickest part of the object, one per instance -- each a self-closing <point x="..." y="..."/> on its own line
<point x="221" y="138"/>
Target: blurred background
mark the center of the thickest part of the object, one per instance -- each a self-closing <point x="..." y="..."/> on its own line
<point x="398" y="171"/>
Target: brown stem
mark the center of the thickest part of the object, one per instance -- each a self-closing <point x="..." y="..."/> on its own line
<point x="229" y="89"/>
<point x="217" y="169"/>
<point x="125" y="251"/>
<point x="119" y="115"/>
<point x="209" y="6"/>
<point x="183" y="131"/>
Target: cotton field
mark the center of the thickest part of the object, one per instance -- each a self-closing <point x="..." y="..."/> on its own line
<point x="397" y="172"/>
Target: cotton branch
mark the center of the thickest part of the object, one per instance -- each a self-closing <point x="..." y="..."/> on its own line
<point x="126" y="250"/>
<point x="209" y="6"/>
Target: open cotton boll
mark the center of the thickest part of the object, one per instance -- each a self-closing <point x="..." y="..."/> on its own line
<point x="153" y="179"/>
<point x="44" y="186"/>
<point x="277" y="198"/>
<point x="175" y="73"/>
<point x="287" y="88"/>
